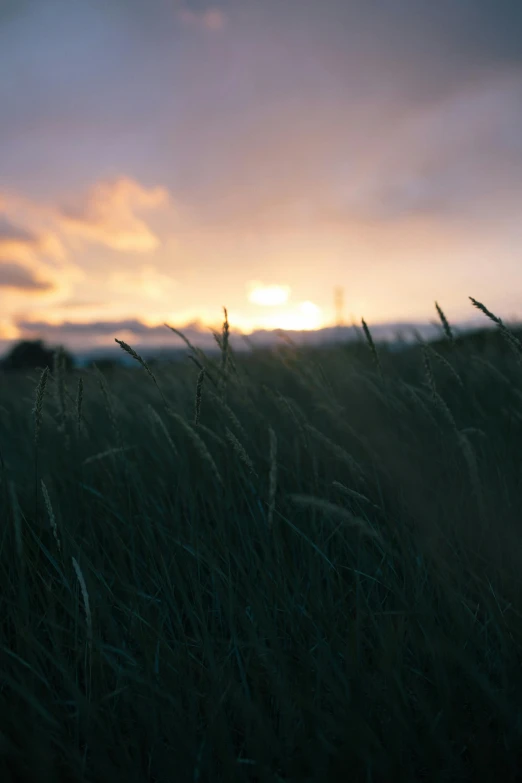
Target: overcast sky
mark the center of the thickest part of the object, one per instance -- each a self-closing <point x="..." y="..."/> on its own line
<point x="160" y="159"/>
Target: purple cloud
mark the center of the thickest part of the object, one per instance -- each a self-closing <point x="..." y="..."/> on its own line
<point x="10" y="232"/>
<point x="13" y="275"/>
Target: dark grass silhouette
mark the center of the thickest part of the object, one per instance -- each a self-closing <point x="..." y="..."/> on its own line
<point x="295" y="566"/>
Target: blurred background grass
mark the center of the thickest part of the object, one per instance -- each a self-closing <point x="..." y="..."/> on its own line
<point x="319" y="579"/>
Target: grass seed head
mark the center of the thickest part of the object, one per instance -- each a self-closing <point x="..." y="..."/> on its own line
<point x="127" y="348"/>
<point x="85" y="596"/>
<point x="513" y="341"/>
<point x="272" y="480"/>
<point x="79" y="405"/>
<point x="371" y="345"/>
<point x="199" y="444"/>
<point x="240" y="450"/>
<point x="199" y="391"/>
<point x="156" y="418"/>
<point x="334" y="512"/>
<point x="38" y="404"/>
<point x="17" y="518"/>
<point x="50" y="514"/>
<point x="445" y="324"/>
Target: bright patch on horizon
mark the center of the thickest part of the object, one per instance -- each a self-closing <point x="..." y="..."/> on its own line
<point x="305" y="317"/>
<point x="268" y="295"/>
<point x="309" y="309"/>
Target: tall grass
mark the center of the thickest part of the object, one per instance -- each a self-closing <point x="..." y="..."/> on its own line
<point x="297" y="573"/>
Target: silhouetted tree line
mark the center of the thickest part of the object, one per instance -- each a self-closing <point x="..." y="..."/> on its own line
<point x="29" y="354"/>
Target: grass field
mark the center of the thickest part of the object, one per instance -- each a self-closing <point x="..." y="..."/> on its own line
<point x="293" y="566"/>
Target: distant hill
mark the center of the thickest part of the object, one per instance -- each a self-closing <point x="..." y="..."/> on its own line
<point x="397" y="335"/>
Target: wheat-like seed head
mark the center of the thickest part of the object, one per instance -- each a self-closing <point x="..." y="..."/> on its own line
<point x="240" y="450"/>
<point x="85" y="596"/>
<point x="109" y="407"/>
<point x="444" y="362"/>
<point x="437" y="399"/>
<point x="79" y="404"/>
<point x="38" y="405"/>
<point x="445" y="324"/>
<point x="17" y="518"/>
<point x="195" y="351"/>
<point x="200" y="367"/>
<point x="471" y="461"/>
<point x="371" y="345"/>
<point x="230" y="413"/>
<point x="199" y="391"/>
<point x="272" y="481"/>
<point x="487" y="312"/>
<point x="351" y="492"/>
<point x="330" y="509"/>
<point x="337" y="450"/>
<point x="288" y="406"/>
<point x="59" y="373"/>
<point x="417" y="398"/>
<point x="507" y="333"/>
<point x="213" y="435"/>
<point x="225" y="350"/>
<point x="444" y="409"/>
<point x="198" y="443"/>
<point x="107" y="453"/>
<point x="125" y="347"/>
<point x="225" y="337"/>
<point x="154" y="415"/>
<point x="50" y="514"/>
<point x="427" y="367"/>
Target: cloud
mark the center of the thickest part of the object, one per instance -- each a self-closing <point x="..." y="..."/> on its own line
<point x="12" y="275"/>
<point x="32" y="258"/>
<point x="148" y="281"/>
<point x="38" y="239"/>
<point x="457" y="157"/>
<point x="346" y="119"/>
<point x="108" y="215"/>
<point x="75" y="303"/>
<point x="91" y="328"/>
<point x="211" y="19"/>
<point x="24" y="234"/>
<point x="103" y="332"/>
<point x="16" y="241"/>
<point x="88" y="331"/>
<point x="10" y="232"/>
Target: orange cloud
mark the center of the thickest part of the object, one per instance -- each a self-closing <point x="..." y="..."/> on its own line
<point x="108" y="215"/>
<point x="22" y="269"/>
<point x="39" y="240"/>
<point x="212" y="19"/>
<point x="23" y="245"/>
<point x="148" y="281"/>
<point x="16" y="241"/>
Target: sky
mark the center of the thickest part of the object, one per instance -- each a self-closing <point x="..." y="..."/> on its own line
<point x="161" y="159"/>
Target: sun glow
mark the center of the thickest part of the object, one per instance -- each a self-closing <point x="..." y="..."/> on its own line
<point x="306" y="316"/>
<point x="268" y="295"/>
